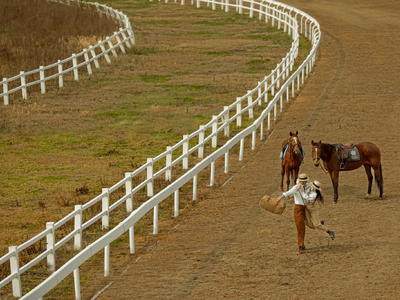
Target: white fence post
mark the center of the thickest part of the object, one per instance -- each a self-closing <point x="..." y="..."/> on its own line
<point x="155" y="219"/>
<point x="77" y="284"/>
<point x="185" y="149"/>
<point x="241" y="149"/>
<point x="293" y="88"/>
<point x="23" y="85"/>
<point x="78" y="226"/>
<point x="194" y="187"/>
<point x="125" y="39"/>
<point x="150" y="191"/>
<point x="265" y="90"/>
<point x="14" y="268"/>
<point x="50" y="241"/>
<point x="121" y="46"/>
<point x="105" y="202"/>
<point x="107" y="260"/>
<point x="240" y="6"/>
<point x="212" y="173"/>
<point x="60" y="75"/>
<point x="214" y="139"/>
<point x="249" y="104"/>
<point x="238" y="112"/>
<point x="262" y="130"/>
<point x="96" y="62"/>
<point x="128" y="191"/>
<point x="75" y="66"/>
<point x="168" y="163"/>
<point x="132" y="239"/>
<point x="226" y="166"/>
<point x="201" y="142"/>
<point x="88" y="65"/>
<point x="5" y="91"/>
<point x="226" y="5"/>
<point x="42" y="81"/>
<point x="251" y="12"/>
<point x="269" y="121"/>
<point x="253" y="140"/>
<point x="111" y="46"/>
<point x="105" y="53"/>
<point x="273" y="84"/>
<point x="226" y="121"/>
<point x="287" y="94"/>
<point x="176" y="203"/>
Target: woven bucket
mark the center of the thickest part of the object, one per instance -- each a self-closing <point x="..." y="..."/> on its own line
<point x="272" y="204"/>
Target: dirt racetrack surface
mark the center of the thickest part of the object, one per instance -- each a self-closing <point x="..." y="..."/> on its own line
<point x="228" y="248"/>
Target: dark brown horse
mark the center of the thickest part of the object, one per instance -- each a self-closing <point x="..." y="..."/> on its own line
<point x="291" y="158"/>
<point x="370" y="157"/>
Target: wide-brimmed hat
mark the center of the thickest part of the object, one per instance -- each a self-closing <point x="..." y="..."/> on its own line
<point x="316" y="184"/>
<point x="303" y="177"/>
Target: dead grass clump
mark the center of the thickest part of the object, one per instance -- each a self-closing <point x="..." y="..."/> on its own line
<point x="37" y="32"/>
<point x="83" y="190"/>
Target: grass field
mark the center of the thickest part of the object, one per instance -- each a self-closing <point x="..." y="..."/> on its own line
<point x="54" y="31"/>
<point x="60" y="149"/>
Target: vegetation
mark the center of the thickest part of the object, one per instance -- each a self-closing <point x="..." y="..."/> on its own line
<point x="54" y="31"/>
<point x="60" y="149"/>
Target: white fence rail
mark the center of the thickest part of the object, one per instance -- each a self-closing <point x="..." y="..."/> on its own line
<point x="86" y="58"/>
<point x="272" y="93"/>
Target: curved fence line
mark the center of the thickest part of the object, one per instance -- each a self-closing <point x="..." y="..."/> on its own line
<point x="86" y="58"/>
<point x="272" y="92"/>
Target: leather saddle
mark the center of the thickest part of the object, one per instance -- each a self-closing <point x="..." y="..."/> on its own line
<point x="347" y="152"/>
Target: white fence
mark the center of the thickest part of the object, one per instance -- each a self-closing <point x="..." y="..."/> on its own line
<point x="86" y="58"/>
<point x="272" y="93"/>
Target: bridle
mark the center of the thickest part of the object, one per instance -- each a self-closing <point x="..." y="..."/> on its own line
<point x="294" y="142"/>
<point x="316" y="157"/>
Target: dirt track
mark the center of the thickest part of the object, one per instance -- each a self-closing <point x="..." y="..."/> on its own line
<point x="228" y="248"/>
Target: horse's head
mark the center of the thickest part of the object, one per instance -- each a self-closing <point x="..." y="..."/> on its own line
<point x="316" y="152"/>
<point x="294" y="142"/>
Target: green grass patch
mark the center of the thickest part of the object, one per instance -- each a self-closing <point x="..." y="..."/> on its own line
<point x="154" y="78"/>
<point x="206" y="32"/>
<point x="144" y="50"/>
<point x="223" y="53"/>
<point x="162" y="22"/>
<point x="188" y="87"/>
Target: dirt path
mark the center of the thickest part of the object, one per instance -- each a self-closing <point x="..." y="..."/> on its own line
<point x="228" y="248"/>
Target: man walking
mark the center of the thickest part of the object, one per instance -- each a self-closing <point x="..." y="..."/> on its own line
<point x="299" y="209"/>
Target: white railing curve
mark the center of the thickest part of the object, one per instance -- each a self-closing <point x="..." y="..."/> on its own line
<point x="273" y="92"/>
<point x="87" y="57"/>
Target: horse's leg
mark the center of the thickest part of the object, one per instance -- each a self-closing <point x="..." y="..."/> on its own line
<point x="369" y="175"/>
<point x="283" y="175"/>
<point x="288" y="173"/>
<point x="294" y="176"/>
<point x="379" y="179"/>
<point x="335" y="183"/>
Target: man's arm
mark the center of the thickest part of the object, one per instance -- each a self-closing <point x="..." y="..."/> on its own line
<point x="292" y="191"/>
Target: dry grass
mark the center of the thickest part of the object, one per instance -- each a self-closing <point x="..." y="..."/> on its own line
<point x="37" y="33"/>
<point x="60" y="149"/>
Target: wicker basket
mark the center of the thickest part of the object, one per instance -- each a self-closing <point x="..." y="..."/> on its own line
<point x="272" y="204"/>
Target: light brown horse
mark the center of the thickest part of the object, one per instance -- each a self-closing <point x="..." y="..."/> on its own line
<point x="370" y="157"/>
<point x="292" y="158"/>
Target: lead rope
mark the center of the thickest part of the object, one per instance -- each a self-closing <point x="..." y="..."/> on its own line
<point x="323" y="168"/>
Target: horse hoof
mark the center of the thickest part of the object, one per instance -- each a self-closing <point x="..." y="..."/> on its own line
<point x="367" y="196"/>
